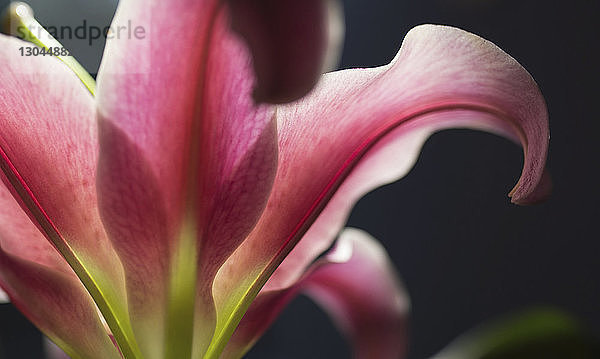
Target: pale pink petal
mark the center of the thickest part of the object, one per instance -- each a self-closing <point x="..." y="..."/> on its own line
<point x="48" y="155"/>
<point x="389" y="160"/>
<point x="361" y="128"/>
<point x="356" y="285"/>
<point x="3" y="297"/>
<point x="182" y="144"/>
<point x="53" y="351"/>
<point x="289" y="42"/>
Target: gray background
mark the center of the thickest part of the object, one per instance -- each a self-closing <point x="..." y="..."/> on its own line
<point x="466" y="255"/>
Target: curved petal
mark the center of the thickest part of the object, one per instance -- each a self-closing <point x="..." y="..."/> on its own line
<point x="187" y="158"/>
<point x="53" y="351"/>
<point x="3" y="297"/>
<point x="48" y="154"/>
<point x="62" y="309"/>
<point x="45" y="289"/>
<point x="356" y="285"/>
<point x="343" y="140"/>
<point x="290" y="41"/>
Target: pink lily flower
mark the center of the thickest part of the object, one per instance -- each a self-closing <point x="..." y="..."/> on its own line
<point x="173" y="216"/>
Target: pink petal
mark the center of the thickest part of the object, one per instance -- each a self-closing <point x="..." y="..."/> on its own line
<point x="356" y="285"/>
<point x="44" y="288"/>
<point x="289" y="42"/>
<point x="19" y="237"/>
<point x="362" y="128"/>
<point x="48" y="154"/>
<point x="58" y="305"/>
<point x="48" y="136"/>
<point x="180" y="138"/>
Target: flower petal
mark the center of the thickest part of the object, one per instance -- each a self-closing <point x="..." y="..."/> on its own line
<point x="185" y="152"/>
<point x="53" y="351"/>
<point x="44" y="288"/>
<point x="48" y="154"/>
<point x="62" y="309"/>
<point x="19" y="237"/>
<point x="290" y="42"/>
<point x="361" y="128"/>
<point x="357" y="286"/>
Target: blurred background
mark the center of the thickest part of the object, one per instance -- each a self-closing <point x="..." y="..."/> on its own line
<point x="466" y="255"/>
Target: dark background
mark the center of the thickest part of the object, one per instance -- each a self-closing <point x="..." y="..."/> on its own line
<point x="465" y="253"/>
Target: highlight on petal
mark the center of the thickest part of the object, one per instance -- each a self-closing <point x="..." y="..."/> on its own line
<point x="362" y="128"/>
<point x="187" y="160"/>
<point x="291" y="41"/>
<point x="356" y="284"/>
<point x="3" y="297"/>
<point x="48" y="155"/>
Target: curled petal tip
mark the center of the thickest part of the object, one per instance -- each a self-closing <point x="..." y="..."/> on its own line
<point x="538" y="194"/>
